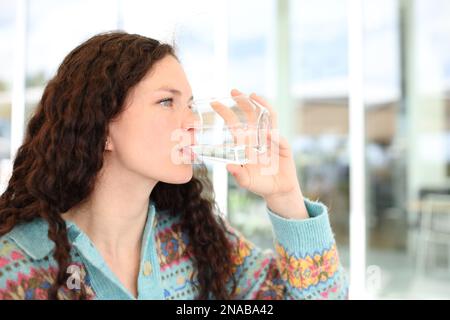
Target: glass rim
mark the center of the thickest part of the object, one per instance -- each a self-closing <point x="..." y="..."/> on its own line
<point x="198" y="103"/>
<point x="213" y="98"/>
<point x="241" y="125"/>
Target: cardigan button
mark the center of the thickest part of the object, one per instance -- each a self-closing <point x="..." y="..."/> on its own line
<point x="147" y="268"/>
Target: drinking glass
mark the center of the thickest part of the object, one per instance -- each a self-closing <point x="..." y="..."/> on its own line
<point x="231" y="129"/>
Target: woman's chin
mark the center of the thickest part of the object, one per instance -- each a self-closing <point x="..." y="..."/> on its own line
<point x="182" y="174"/>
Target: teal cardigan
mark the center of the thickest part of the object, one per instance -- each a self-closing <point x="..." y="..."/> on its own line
<point x="304" y="265"/>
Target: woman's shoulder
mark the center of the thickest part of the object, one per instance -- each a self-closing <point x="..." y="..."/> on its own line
<point x="11" y="255"/>
<point x="22" y="276"/>
<point x="13" y="261"/>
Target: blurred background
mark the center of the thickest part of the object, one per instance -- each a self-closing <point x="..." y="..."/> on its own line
<point x="362" y="88"/>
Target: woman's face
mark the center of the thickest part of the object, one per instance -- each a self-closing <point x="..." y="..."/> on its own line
<point x="156" y="122"/>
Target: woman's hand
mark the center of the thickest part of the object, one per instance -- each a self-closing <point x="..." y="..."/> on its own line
<point x="274" y="175"/>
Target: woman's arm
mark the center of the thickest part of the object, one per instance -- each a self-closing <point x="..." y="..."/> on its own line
<point x="305" y="264"/>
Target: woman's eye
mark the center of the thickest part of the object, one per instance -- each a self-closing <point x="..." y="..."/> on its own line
<point x="166" y="102"/>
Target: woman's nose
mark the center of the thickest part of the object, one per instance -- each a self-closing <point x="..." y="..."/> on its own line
<point x="192" y="121"/>
<point x="191" y="125"/>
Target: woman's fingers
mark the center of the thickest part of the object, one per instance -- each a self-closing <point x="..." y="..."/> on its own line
<point x="230" y="118"/>
<point x="241" y="174"/>
<point x="272" y="112"/>
<point x="245" y="105"/>
<point x="246" y="136"/>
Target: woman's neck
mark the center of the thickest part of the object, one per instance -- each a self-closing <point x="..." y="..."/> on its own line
<point x="114" y="215"/>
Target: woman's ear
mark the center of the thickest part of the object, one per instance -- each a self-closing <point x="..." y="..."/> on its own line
<point x="108" y="145"/>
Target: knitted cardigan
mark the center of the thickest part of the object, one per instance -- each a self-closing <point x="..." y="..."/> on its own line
<point x="304" y="265"/>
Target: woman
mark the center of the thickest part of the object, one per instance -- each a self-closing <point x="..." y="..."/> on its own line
<point x="96" y="208"/>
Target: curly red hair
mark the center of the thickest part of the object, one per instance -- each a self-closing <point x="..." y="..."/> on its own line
<point x="56" y="167"/>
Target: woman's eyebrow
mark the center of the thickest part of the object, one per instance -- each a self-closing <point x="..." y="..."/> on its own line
<point x="173" y="91"/>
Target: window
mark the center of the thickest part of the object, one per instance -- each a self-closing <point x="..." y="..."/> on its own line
<point x="7" y="24"/>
